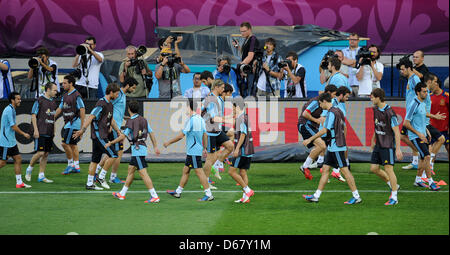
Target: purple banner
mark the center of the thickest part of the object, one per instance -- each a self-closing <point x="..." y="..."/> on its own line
<point x="398" y="26"/>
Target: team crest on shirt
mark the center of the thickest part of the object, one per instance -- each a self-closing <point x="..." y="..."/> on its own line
<point x="442" y="102"/>
<point x="385" y="161"/>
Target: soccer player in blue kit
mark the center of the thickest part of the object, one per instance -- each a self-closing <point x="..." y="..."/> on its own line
<point x="415" y="123"/>
<point x="8" y="143"/>
<point x="334" y="126"/>
<point x="196" y="140"/>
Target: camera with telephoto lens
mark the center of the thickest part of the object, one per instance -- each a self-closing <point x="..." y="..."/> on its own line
<point x="33" y="63"/>
<point x="326" y="57"/>
<point x="171" y="59"/>
<point x="285" y="63"/>
<point x="245" y="68"/>
<point x="81" y="50"/>
<point x="365" y="54"/>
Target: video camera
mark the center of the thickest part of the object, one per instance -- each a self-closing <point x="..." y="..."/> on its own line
<point x="366" y="56"/>
<point x="326" y="57"/>
<point x="139" y="63"/>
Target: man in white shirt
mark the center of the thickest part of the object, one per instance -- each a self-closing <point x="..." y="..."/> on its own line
<point x="350" y="61"/>
<point x="46" y="71"/>
<point x="369" y="76"/>
<point x="6" y="82"/>
<point x="89" y="64"/>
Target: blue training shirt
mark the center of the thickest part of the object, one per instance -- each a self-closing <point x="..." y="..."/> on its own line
<point x="410" y="93"/>
<point x="339" y="80"/>
<point x="416" y="114"/>
<point x="194" y="129"/>
<point x="119" y="107"/>
<point x="7" y="134"/>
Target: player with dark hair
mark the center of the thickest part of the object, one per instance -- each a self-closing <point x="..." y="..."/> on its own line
<point x="335" y="156"/>
<point x="195" y="132"/>
<point x="8" y="143"/>
<point x="415" y="123"/>
<point x="405" y="67"/>
<point x="101" y="120"/>
<point x="136" y="131"/>
<point x="308" y="125"/>
<point x="434" y="117"/>
<point x="385" y="140"/>
<point x="119" y="108"/>
<point x="73" y="112"/>
<point x="440" y="104"/>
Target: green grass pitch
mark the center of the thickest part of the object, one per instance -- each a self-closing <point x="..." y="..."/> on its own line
<point x="276" y="209"/>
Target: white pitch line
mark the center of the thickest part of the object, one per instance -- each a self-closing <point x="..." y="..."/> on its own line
<point x="217" y="191"/>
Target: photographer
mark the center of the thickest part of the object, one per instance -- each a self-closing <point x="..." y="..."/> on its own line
<point x="6" y="81"/>
<point x="88" y="63"/>
<point x="370" y="72"/>
<point x="420" y="69"/>
<point x="295" y="76"/>
<point x="42" y="70"/>
<point x="168" y="74"/>
<point x="138" y="69"/>
<point x="350" y="61"/>
<point x="270" y="74"/>
<point x="226" y="73"/>
<point x="250" y="45"/>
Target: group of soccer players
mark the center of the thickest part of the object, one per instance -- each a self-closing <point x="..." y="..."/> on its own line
<point x="208" y="133"/>
<point x="205" y="135"/>
<point x="322" y="126"/>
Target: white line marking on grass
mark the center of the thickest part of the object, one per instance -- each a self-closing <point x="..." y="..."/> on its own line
<point x="218" y="191"/>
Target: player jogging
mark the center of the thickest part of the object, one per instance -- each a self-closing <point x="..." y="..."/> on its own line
<point x="415" y="123"/>
<point x="213" y="114"/>
<point x="119" y="108"/>
<point x="136" y="130"/>
<point x="43" y="123"/>
<point x="8" y="142"/>
<point x="101" y="122"/>
<point x="73" y="111"/>
<point x="196" y="140"/>
<point x="243" y="150"/>
<point x="335" y="156"/>
<point x="385" y="140"/>
<point x="308" y="125"/>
